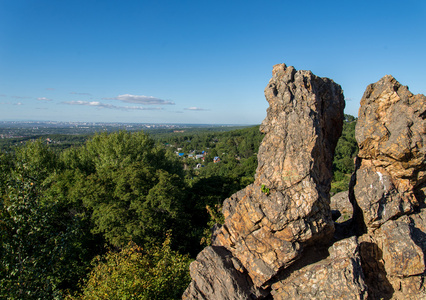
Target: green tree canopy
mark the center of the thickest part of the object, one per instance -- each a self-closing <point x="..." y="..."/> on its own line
<point x="133" y="188"/>
<point x="138" y="273"/>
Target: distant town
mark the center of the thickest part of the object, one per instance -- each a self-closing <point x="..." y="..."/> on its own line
<point x="22" y="129"/>
<point x="67" y="134"/>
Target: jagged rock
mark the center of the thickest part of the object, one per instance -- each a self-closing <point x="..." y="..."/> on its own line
<point x="337" y="277"/>
<point x="217" y="274"/>
<point x="394" y="258"/>
<point x="391" y="134"/>
<point x="341" y="207"/>
<point x="388" y="190"/>
<point x="401" y="256"/>
<point x="269" y="223"/>
<point x="273" y="241"/>
<point x="373" y="268"/>
<point x="275" y="232"/>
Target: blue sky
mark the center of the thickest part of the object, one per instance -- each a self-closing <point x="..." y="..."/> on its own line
<point x="201" y="62"/>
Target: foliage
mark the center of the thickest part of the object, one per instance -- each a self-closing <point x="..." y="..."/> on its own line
<point x="5" y="170"/>
<point x="42" y="250"/>
<point x="210" y="185"/>
<point x="35" y="160"/>
<point x="137" y="273"/>
<point x="61" y="208"/>
<point x="346" y="150"/>
<point x="132" y="188"/>
<point x="216" y="218"/>
<point x="265" y="190"/>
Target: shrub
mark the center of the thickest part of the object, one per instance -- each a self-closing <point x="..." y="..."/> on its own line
<point x="138" y="273"/>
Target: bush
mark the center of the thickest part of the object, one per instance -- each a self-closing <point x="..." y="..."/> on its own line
<point x="137" y="273"/>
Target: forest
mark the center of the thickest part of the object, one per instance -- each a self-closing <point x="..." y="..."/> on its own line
<point x="121" y="215"/>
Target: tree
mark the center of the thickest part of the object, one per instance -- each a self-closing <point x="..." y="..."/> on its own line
<point x="44" y="242"/>
<point x="35" y="159"/>
<point x="42" y="249"/>
<point x="133" y="189"/>
<point x="138" y="273"/>
<point x="345" y="152"/>
<point x="5" y="170"/>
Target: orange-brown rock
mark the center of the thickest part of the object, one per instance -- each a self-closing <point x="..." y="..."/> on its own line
<point x="394" y="258"/>
<point x="218" y="275"/>
<point x="276" y="239"/>
<point x="388" y="190"/>
<point x="338" y="276"/>
<point x="268" y="223"/>
<point x="287" y="208"/>
<point x="391" y="134"/>
<point x="341" y="207"/>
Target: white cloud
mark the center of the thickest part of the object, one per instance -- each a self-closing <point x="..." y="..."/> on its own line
<point x="95" y="103"/>
<point x="140" y="99"/>
<point x="89" y="103"/>
<point x="110" y="106"/>
<point x="195" y="108"/>
<point x="44" y="99"/>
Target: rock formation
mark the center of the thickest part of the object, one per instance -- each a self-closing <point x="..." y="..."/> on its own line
<point x="267" y="228"/>
<point x="388" y="190"/>
<point x="269" y="223"/>
<point x="277" y="240"/>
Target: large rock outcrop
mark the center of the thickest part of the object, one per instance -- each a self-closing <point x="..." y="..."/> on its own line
<point x="391" y="136"/>
<point x="277" y="240"/>
<point x="269" y="223"/>
<point x="388" y="190"/>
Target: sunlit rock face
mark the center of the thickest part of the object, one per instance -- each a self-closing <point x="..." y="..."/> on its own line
<point x="388" y="189"/>
<point x="275" y="242"/>
<point x="391" y="133"/>
<point x="287" y="208"/>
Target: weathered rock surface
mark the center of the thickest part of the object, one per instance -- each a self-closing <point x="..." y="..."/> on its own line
<point x="276" y="242"/>
<point x="393" y="258"/>
<point x="267" y="230"/>
<point x="391" y="134"/>
<point x="269" y="223"/>
<point x="337" y="277"/>
<point x="341" y="207"/>
<point x="218" y="275"/>
<point x="388" y="190"/>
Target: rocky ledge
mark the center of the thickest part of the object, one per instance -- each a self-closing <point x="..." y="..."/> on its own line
<point x="279" y="240"/>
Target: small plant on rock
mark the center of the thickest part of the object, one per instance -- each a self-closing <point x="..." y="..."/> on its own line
<point x="265" y="189"/>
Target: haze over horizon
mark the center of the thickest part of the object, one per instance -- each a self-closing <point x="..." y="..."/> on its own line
<point x="194" y="62"/>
